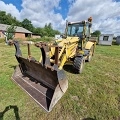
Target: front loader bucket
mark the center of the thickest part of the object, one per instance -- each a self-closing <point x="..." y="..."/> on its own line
<point x="45" y="85"/>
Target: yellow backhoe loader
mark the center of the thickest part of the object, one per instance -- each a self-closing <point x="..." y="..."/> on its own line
<point x="45" y="80"/>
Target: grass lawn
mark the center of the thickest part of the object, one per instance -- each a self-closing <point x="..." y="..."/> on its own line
<point x="94" y="94"/>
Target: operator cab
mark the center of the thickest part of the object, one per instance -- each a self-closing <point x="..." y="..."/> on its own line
<point x="78" y="29"/>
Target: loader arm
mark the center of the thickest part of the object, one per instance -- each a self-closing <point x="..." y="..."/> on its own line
<point x="66" y="50"/>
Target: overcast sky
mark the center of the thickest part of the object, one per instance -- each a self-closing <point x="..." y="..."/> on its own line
<point x="105" y="13"/>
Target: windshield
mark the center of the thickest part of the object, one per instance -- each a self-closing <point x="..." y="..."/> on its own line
<point x="75" y="30"/>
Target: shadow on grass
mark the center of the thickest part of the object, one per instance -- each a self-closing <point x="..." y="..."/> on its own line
<point x="69" y="68"/>
<point x="9" y="108"/>
<point x="12" y="66"/>
<point x="88" y="119"/>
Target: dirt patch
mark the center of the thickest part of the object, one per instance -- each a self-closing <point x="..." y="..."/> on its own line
<point x="74" y="98"/>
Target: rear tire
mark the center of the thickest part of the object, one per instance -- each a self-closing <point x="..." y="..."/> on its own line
<point x="78" y="64"/>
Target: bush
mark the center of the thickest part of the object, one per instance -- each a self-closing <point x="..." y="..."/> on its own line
<point x="44" y="39"/>
<point x="114" y="42"/>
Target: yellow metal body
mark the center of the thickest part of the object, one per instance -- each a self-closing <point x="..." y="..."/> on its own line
<point x="68" y="48"/>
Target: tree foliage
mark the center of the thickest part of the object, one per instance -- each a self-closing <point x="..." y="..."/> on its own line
<point x="47" y="30"/>
<point x="27" y="25"/>
<point x="97" y="33"/>
<point x="10" y="32"/>
<point x="8" y="19"/>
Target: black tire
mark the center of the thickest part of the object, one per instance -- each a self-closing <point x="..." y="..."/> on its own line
<point x="78" y="64"/>
<point x="90" y="54"/>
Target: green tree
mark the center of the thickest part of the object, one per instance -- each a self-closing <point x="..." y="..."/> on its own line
<point x="8" y="19"/>
<point x="56" y="32"/>
<point x="96" y="33"/>
<point x="10" y="32"/>
<point x="27" y="25"/>
<point x="50" y="32"/>
<point x="47" y="30"/>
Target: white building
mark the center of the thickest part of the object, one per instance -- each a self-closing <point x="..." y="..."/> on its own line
<point x="58" y="37"/>
<point x="106" y="39"/>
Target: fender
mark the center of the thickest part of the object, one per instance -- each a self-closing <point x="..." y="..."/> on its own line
<point x="89" y="45"/>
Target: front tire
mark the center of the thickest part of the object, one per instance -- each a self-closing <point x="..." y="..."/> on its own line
<point x="78" y="64"/>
